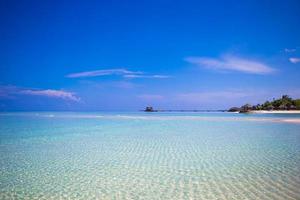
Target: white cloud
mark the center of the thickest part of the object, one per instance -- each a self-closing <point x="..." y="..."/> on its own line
<point x="232" y="63"/>
<point x="294" y="60"/>
<point x="104" y="72"/>
<point x="122" y="72"/>
<point x="52" y="93"/>
<point x="11" y="91"/>
<point x="160" y="76"/>
<point x="146" y="76"/>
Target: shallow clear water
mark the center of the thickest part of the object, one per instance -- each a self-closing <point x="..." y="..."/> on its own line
<point x="148" y="156"/>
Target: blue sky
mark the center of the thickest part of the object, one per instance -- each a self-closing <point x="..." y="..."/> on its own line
<point x="125" y="55"/>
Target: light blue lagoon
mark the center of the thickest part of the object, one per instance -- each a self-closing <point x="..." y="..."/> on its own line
<point x="63" y="155"/>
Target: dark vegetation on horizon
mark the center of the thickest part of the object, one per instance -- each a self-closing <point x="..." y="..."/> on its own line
<point x="284" y="103"/>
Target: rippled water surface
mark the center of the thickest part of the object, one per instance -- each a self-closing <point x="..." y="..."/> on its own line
<point x="149" y="156"/>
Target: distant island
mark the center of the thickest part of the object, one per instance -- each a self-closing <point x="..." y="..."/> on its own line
<point x="285" y="103"/>
<point x="151" y="109"/>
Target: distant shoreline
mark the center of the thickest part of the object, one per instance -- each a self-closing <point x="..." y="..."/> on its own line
<point x="283" y="105"/>
<point x="249" y="112"/>
<point x="185" y="111"/>
<point x="275" y="111"/>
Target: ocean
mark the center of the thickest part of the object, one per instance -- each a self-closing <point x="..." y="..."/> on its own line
<point x="136" y="155"/>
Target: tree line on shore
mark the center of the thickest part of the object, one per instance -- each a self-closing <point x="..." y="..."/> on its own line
<point x="283" y="103"/>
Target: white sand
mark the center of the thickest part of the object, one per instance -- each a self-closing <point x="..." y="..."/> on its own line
<point x="277" y="111"/>
<point x="297" y="121"/>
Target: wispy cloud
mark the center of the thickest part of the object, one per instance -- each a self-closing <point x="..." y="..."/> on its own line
<point x="104" y="72"/>
<point x="231" y="63"/>
<point x="294" y="60"/>
<point x="52" y="93"/>
<point x="146" y="76"/>
<point x="121" y="72"/>
<point x="13" y="91"/>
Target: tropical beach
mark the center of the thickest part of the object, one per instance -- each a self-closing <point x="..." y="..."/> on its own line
<point x="149" y="100"/>
<point x="276" y="111"/>
<point x="283" y="105"/>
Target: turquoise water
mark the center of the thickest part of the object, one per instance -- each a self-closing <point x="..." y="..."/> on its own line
<point x="149" y="156"/>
